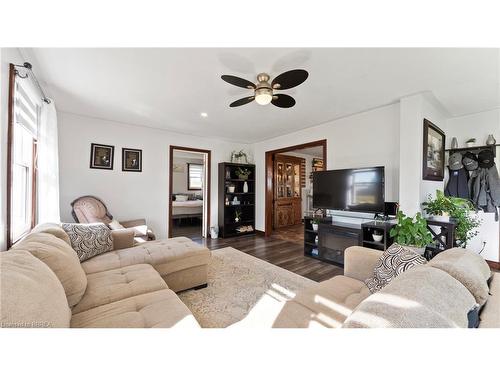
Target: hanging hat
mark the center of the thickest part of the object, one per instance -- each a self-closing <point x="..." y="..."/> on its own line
<point x="469" y="161"/>
<point x="455" y="161"/>
<point x="486" y="159"/>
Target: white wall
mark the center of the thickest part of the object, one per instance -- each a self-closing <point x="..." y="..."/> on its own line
<point x="128" y="195"/>
<point x="479" y="126"/>
<point x="367" y="139"/>
<point x="179" y="179"/>
<point x="7" y="56"/>
<point x="413" y="190"/>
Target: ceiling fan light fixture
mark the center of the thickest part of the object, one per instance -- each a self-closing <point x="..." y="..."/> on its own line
<point x="263" y="96"/>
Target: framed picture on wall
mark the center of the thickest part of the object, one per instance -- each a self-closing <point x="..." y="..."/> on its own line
<point x="433" y="152"/>
<point x="101" y="156"/>
<point x="131" y="160"/>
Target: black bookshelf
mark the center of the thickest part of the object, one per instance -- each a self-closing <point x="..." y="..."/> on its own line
<point x="228" y="225"/>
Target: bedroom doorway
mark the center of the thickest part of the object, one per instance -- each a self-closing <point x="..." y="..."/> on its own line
<point x="189" y="192"/>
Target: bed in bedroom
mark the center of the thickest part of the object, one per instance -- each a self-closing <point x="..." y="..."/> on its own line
<point x="187" y="209"/>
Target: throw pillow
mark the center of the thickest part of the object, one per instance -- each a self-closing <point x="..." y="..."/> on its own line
<point x="115" y="224"/>
<point x="89" y="240"/>
<point x="393" y="262"/>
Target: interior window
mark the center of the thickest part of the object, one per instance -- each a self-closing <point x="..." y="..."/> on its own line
<point x="22" y="150"/>
<point x="195" y="176"/>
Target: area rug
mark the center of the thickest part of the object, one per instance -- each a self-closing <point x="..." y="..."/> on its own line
<point x="237" y="282"/>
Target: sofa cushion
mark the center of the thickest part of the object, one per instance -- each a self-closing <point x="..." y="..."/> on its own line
<point x="166" y="256"/>
<point x="467" y="267"/>
<point x="423" y="297"/>
<point x="30" y="293"/>
<point x="392" y="263"/>
<point x="490" y="315"/>
<point x="114" y="285"/>
<point x="89" y="240"/>
<point x="333" y="299"/>
<point x="61" y="259"/>
<point x="54" y="229"/>
<point x="160" y="309"/>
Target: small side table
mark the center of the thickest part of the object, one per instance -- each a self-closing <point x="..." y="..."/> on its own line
<point x="444" y="236"/>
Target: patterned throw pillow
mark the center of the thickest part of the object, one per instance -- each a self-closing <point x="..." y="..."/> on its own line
<point x="89" y="240"/>
<point x="393" y="262"/>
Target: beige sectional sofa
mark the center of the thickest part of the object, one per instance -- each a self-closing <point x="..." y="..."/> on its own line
<point x="43" y="283"/>
<point x="436" y="295"/>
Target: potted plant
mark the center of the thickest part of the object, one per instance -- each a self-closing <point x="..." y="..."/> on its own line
<point x="378" y="235"/>
<point x="470" y="142"/>
<point x="315" y="224"/>
<point x="411" y="232"/>
<point x="237" y="215"/>
<point x="243" y="173"/>
<point x="458" y="209"/>
<point x="230" y="188"/>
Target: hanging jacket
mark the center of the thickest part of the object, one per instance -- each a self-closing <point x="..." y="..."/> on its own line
<point x="485" y="189"/>
<point x="458" y="184"/>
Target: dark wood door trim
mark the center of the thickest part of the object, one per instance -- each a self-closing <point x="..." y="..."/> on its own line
<point x="10" y="136"/>
<point x="170" y="183"/>
<point x="269" y="190"/>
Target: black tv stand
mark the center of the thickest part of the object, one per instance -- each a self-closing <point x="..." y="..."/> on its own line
<point x="331" y="239"/>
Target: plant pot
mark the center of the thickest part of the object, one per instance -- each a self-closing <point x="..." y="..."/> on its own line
<point x="445" y="218"/>
<point x="315" y="227"/>
<point x="230" y="189"/>
<point x="378" y="237"/>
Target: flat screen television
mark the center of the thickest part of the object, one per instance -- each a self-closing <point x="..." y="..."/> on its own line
<point x="358" y="190"/>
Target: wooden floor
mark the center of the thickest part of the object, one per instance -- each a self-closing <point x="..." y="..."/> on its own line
<point x="282" y="253"/>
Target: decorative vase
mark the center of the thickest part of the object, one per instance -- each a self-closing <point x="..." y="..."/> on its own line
<point x="214" y="232"/>
<point x="491" y="140"/>
<point x="454" y="142"/>
<point x="245" y="187"/>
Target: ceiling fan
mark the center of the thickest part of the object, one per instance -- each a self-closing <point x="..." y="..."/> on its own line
<point x="264" y="91"/>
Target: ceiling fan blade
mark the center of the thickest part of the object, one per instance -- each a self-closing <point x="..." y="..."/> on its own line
<point x="237" y="81"/>
<point x="242" y="101"/>
<point x="289" y="79"/>
<point x="283" y="101"/>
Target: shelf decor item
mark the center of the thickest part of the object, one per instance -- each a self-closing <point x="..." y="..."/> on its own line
<point x="377" y="236"/>
<point x="411" y="232"/>
<point x="433" y="152"/>
<point x="471" y="142"/>
<point x="230" y="188"/>
<point x="491" y="141"/>
<point x="454" y="143"/>
<point x="245" y="187"/>
<point x="315" y="224"/>
<point x="243" y="173"/>
<point x="239" y="157"/>
<point x="237" y="215"/>
<point x="101" y="156"/>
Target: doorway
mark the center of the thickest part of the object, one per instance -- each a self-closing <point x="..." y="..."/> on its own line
<point x="289" y="187"/>
<point x="189" y="192"/>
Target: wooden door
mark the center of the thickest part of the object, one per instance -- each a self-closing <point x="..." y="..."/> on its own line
<point x="287" y="190"/>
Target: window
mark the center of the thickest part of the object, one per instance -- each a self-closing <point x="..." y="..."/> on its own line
<point x="23" y="127"/>
<point x="195" y="176"/>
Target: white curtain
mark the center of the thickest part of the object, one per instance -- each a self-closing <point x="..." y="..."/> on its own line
<point x="48" y="166"/>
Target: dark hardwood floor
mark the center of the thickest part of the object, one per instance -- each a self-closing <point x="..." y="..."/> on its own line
<point x="282" y="253"/>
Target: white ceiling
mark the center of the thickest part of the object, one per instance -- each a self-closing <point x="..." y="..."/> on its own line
<point x="169" y="88"/>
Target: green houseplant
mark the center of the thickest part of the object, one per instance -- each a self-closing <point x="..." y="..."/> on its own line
<point x="457" y="208"/>
<point x="411" y="231"/>
<point x="315" y="224"/>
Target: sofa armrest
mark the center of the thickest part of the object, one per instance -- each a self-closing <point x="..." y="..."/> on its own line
<point x="359" y="262"/>
<point x="122" y="238"/>
<point x="133" y="223"/>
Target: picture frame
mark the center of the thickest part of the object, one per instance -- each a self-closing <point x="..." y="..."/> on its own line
<point x="433" y="152"/>
<point x="131" y="160"/>
<point x="101" y="156"/>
